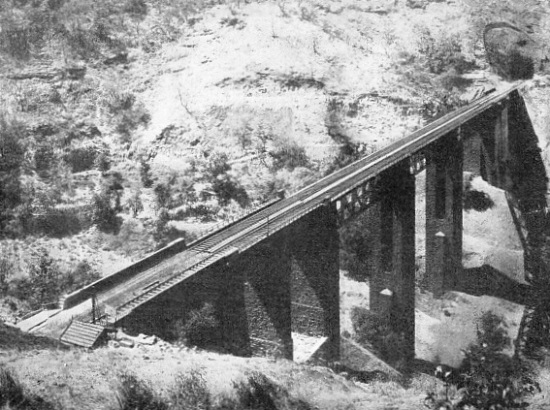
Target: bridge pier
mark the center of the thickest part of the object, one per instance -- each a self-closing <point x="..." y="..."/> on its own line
<point x="444" y="213"/>
<point x="266" y="295"/>
<point x="314" y="255"/>
<point x="396" y="257"/>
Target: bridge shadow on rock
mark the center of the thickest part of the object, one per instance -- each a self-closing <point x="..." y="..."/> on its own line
<point x="486" y="280"/>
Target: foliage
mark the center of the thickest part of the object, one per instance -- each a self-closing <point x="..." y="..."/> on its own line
<point x="355" y="248"/>
<point x="128" y="113"/>
<point x="145" y="173"/>
<point x="6" y="270"/>
<point x="190" y="392"/>
<point x="12" y="160"/>
<point x="349" y="151"/>
<point x="59" y="222"/>
<point x="520" y="66"/>
<point x="133" y="203"/>
<point x="163" y="194"/>
<point x="224" y="185"/>
<point x="289" y="155"/>
<point x="489" y="379"/>
<point x="259" y="392"/>
<point x="376" y="330"/>
<point x="82" y="275"/>
<point x="200" y="327"/>
<point x="106" y="203"/>
<point x="13" y="395"/>
<point x="438" y="54"/>
<point x="85" y="158"/>
<point x="477" y="200"/>
<point x="135" y="394"/>
<point x="42" y="285"/>
<point x="164" y="233"/>
<point x="46" y="281"/>
<point x="102" y="160"/>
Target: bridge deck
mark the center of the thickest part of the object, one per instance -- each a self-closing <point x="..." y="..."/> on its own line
<point x="244" y="234"/>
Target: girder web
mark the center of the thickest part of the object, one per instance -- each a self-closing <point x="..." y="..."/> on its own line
<point x="417" y="163"/>
<point x="358" y="199"/>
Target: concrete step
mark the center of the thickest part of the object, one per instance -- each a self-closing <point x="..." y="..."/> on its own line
<point x="82" y="334"/>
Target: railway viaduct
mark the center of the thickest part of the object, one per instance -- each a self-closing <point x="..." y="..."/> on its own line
<point x="274" y="274"/>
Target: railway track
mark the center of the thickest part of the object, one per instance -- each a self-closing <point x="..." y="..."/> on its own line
<point x="254" y="228"/>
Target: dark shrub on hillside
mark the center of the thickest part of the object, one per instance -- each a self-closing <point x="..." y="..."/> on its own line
<point x="224" y="185"/>
<point x="136" y="8"/>
<point x="82" y="275"/>
<point x="42" y="285"/>
<point x="289" y="156"/>
<point x="259" y="392"/>
<point x="82" y="158"/>
<point x="60" y="222"/>
<point x="477" y="200"/>
<point x="519" y="66"/>
<point x="104" y="215"/>
<point x="355" y="248"/>
<point x="190" y="392"/>
<point x="145" y="173"/>
<point x="488" y="378"/>
<point x="44" y="159"/>
<point x="102" y="161"/>
<point x="135" y="394"/>
<point x="375" y="331"/>
<point x="13" y="151"/>
<point x="163" y="194"/>
<point x="13" y="396"/>
<point x="200" y="328"/>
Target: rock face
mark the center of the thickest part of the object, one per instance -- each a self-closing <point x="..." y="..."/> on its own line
<point x="510" y="51"/>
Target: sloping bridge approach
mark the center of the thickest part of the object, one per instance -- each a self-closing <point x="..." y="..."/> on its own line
<point x="275" y="272"/>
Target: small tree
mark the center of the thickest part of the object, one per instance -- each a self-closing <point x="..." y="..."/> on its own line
<point x="145" y="173"/>
<point x="134" y="203"/>
<point x="200" y="328"/>
<point x="42" y="284"/>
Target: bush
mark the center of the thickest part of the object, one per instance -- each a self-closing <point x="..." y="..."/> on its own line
<point x="492" y="379"/>
<point x="289" y="155"/>
<point x="59" y="222"/>
<point x="200" y="328"/>
<point x="489" y="379"/>
<point x="42" y="286"/>
<point x="106" y="204"/>
<point x="84" y="158"/>
<point x="355" y="247"/>
<point x="519" y="66"/>
<point x="134" y="394"/>
<point x="374" y="330"/>
<point x="145" y="173"/>
<point x="163" y="194"/>
<point x="442" y="53"/>
<point x="223" y="183"/>
<point x="104" y="215"/>
<point x="190" y="392"/>
<point x="477" y="200"/>
<point x="6" y="270"/>
<point x="13" y="396"/>
<point x="259" y="392"/>
<point x="83" y="274"/>
<point x="12" y="140"/>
